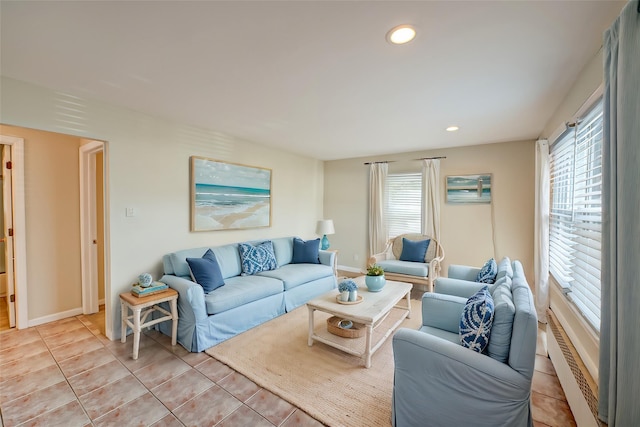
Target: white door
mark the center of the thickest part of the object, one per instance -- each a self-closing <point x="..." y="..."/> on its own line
<point x="88" y="226"/>
<point x="7" y="203"/>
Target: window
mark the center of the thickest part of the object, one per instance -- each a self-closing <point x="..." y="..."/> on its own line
<point x="404" y="201"/>
<point x="576" y="213"/>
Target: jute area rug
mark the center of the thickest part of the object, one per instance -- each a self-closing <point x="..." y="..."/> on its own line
<point x="331" y="386"/>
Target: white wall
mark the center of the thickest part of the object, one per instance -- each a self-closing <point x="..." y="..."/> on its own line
<point x="148" y="167"/>
<point x="466" y="230"/>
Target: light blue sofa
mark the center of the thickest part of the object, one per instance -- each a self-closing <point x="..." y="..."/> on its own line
<point x="438" y="382"/>
<point x="244" y="301"/>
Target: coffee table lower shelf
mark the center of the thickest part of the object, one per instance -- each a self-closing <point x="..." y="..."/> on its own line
<point x="358" y="346"/>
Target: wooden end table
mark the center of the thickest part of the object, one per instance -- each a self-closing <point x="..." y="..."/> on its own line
<point x="372" y="312"/>
<point x="141" y="308"/>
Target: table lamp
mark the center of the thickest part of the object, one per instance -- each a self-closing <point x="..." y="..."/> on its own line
<point x="324" y="227"/>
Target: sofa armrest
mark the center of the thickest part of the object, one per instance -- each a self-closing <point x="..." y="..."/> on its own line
<point x="463" y="272"/>
<point x="191" y="304"/>
<point x="433" y="376"/>
<point x="461" y="288"/>
<point x="442" y="311"/>
<point x="327" y="258"/>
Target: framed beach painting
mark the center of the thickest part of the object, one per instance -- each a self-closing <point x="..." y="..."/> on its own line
<point x="469" y="189"/>
<point x="228" y="196"/>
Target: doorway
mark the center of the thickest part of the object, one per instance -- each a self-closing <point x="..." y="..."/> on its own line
<point x="13" y="270"/>
<point x="95" y="304"/>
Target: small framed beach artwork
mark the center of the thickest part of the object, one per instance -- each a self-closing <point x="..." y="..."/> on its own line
<point x="464" y="189"/>
<point x="229" y="196"/>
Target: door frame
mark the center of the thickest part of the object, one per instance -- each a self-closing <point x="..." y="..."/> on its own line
<point x="19" y="229"/>
<point x="88" y="227"/>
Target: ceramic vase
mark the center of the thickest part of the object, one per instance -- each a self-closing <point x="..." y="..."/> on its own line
<point x="375" y="283"/>
<point x="353" y="296"/>
<point x="344" y="296"/>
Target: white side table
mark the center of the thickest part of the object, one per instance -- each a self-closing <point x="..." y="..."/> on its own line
<point x="141" y="308"/>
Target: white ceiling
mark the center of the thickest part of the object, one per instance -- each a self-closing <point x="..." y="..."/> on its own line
<point x="316" y="77"/>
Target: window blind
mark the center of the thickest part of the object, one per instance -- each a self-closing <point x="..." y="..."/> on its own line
<point x="576" y="213"/>
<point x="404" y="198"/>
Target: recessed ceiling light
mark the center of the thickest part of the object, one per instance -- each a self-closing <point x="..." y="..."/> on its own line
<point x="401" y="34"/>
<point x="452" y="128"/>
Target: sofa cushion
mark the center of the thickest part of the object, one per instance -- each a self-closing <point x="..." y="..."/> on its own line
<point x="241" y="290"/>
<point x="504" y="269"/>
<point x="488" y="272"/>
<point x="293" y="275"/>
<point x="257" y="258"/>
<point x="502" y="326"/>
<point x="503" y="281"/>
<point x="441" y="333"/>
<point x="205" y="271"/>
<point x="227" y="256"/>
<point x="283" y="248"/>
<point x="476" y="320"/>
<point x="414" y="250"/>
<point x="305" y="252"/>
<point x="405" y="267"/>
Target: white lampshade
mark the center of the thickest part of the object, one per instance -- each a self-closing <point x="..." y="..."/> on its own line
<point x="325" y="226"/>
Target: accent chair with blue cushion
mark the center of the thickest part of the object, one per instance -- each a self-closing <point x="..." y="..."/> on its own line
<point x="413" y="258"/>
<point x="439" y="382"/>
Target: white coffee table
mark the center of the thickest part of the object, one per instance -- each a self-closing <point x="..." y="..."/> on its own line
<point x="372" y="312"/>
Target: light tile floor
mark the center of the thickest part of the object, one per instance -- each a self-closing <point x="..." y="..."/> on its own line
<point x="67" y="373"/>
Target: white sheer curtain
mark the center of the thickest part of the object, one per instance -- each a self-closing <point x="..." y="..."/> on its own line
<point x="377" y="203"/>
<point x="541" y="248"/>
<point x="431" y="198"/>
<point x="619" y="339"/>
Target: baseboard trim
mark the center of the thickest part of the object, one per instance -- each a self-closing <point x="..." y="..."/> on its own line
<point x="101" y="301"/>
<point x="56" y="316"/>
<point x="350" y="269"/>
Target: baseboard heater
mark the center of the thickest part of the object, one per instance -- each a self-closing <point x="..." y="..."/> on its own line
<point x="584" y="381"/>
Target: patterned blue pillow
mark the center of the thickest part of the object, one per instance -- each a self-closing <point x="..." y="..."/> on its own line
<point x="257" y="258"/>
<point x="476" y="321"/>
<point x="488" y="272"/>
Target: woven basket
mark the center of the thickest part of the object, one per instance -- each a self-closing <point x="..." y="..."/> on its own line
<point x="356" y="331"/>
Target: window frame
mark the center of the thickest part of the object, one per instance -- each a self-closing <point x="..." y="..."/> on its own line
<point x="577" y="189"/>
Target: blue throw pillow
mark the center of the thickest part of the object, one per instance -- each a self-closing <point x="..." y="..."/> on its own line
<point x="257" y="258"/>
<point x="206" y="272"/>
<point x="414" y="251"/>
<point x="305" y="252"/>
<point x="476" y="321"/>
<point x="488" y="272"/>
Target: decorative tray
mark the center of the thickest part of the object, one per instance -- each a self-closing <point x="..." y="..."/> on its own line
<point x="357" y="301"/>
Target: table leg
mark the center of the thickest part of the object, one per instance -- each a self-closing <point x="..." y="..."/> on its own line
<point x="311" y="323"/>
<point x="174" y="326"/>
<point x="367" y="349"/>
<point x="124" y="311"/>
<point x="409" y="304"/>
<point x="136" y="332"/>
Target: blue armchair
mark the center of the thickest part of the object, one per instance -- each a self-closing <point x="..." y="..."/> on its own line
<point x="438" y="382"/>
